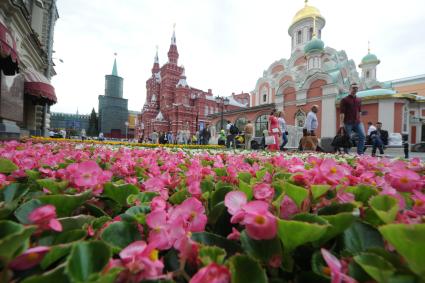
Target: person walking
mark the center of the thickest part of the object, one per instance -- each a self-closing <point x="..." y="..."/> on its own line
<point x="274" y="130"/>
<point x="232" y="131"/>
<point x="311" y="122"/>
<point x="283" y="130"/>
<point x="249" y="130"/>
<point x="350" y="108"/>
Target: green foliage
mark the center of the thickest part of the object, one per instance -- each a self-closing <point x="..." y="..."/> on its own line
<point x="13" y="239"/>
<point x="377" y="267"/>
<point x="209" y="254"/>
<point x="244" y="269"/>
<point x="262" y="250"/>
<point x="385" y="207"/>
<point x="119" y="193"/>
<point x="120" y="234"/>
<point x="360" y="236"/>
<point x="296" y="193"/>
<point x="7" y="166"/>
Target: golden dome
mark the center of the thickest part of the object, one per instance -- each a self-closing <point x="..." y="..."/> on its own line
<point x="307" y="12"/>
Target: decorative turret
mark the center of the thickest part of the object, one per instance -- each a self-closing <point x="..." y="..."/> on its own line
<point x="155" y="68"/>
<point x="368" y="66"/>
<point x="182" y="82"/>
<point x="173" y="54"/>
<point x="313" y="50"/>
<point x="113" y="82"/>
<point x="301" y="29"/>
<point x="114" y="68"/>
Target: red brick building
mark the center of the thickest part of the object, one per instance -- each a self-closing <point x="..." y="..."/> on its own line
<point x="172" y="105"/>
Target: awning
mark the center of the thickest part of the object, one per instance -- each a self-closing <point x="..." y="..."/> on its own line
<point x="36" y="84"/>
<point x="9" y="61"/>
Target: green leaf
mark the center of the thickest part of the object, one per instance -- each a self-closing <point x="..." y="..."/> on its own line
<point x="296" y="193"/>
<point x="51" y="276"/>
<point x="409" y="242"/>
<point x="210" y="239"/>
<point x="260" y="174"/>
<point x="362" y="193"/>
<point x="339" y="223"/>
<point x="143" y="197"/>
<point x="360" y="236"/>
<point x="63" y="238"/>
<point x="220" y="171"/>
<point x="7" y="166"/>
<point x="295" y="233"/>
<point x="262" y="250"/>
<point x="246" y="270"/>
<point x="119" y="193"/>
<point x="336" y="208"/>
<point x="55" y="254"/>
<point x="120" y="234"/>
<point x="52" y="185"/>
<point x="13" y="238"/>
<point x="14" y="191"/>
<point x="65" y="204"/>
<point x="207" y="185"/>
<point x="219" y="195"/>
<point x="386" y="207"/>
<point x="25" y="209"/>
<point x="246" y="188"/>
<point x="179" y="196"/>
<point x="86" y="260"/>
<point x="377" y="267"/>
<point x="244" y="176"/>
<point x="209" y="254"/>
<point x="75" y="222"/>
<point x="319" y="190"/>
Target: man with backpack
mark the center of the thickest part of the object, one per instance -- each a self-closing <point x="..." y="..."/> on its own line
<point x="232" y="131"/>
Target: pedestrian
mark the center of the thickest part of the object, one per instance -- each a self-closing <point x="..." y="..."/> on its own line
<point x="248" y="130"/>
<point x="311" y="122"/>
<point x="232" y="131"/>
<point x="154" y="137"/>
<point x="83" y="134"/>
<point x="370" y="129"/>
<point x="283" y="130"/>
<point x="379" y="139"/>
<point x="350" y="112"/>
<point x="273" y="131"/>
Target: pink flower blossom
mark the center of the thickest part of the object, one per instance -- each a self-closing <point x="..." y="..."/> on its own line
<point x="45" y="218"/>
<point x="404" y="180"/>
<point x="288" y="208"/>
<point x="335" y="266"/>
<point x="29" y="258"/>
<point x="234" y="201"/>
<point x="212" y="273"/>
<point x="235" y="235"/>
<point x="419" y="202"/>
<point x="332" y="172"/>
<point x="192" y="212"/>
<point x="159" y="233"/>
<point x="263" y="191"/>
<point x="259" y="222"/>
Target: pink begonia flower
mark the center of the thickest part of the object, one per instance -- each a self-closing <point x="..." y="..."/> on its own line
<point x="192" y="212"/>
<point x="275" y="261"/>
<point x="263" y="191"/>
<point x="235" y="235"/>
<point x="45" y="218"/>
<point x="212" y="273"/>
<point x="141" y="261"/>
<point x="159" y="233"/>
<point x="332" y="172"/>
<point x="419" y="202"/>
<point x="234" y="201"/>
<point x="288" y="208"/>
<point x="29" y="258"/>
<point x="335" y="266"/>
<point x="404" y="180"/>
<point x="344" y="197"/>
<point x="259" y="222"/>
<point x="158" y="203"/>
<point x="188" y="249"/>
<point x="3" y="180"/>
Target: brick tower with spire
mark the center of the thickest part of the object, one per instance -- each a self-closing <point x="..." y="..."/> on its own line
<point x="171" y="104"/>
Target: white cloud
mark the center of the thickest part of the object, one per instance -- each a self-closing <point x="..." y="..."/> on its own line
<point x="224" y="45"/>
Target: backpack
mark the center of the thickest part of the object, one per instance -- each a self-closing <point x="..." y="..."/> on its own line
<point x="234" y="130"/>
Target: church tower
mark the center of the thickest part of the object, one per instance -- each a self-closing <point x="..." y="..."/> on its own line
<point x="368" y="66"/>
<point x="173" y="54"/>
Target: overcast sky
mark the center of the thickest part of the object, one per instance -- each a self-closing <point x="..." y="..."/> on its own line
<point x="224" y="45"/>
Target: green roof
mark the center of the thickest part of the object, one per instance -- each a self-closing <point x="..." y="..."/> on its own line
<point x="370" y="58"/>
<point x="115" y="69"/>
<point x="372" y="93"/>
<point x="315" y="44"/>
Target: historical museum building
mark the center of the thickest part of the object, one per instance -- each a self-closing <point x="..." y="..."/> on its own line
<point x="319" y="74"/>
<point x="26" y="66"/>
<point x="172" y="105"/>
<point x="113" y="108"/>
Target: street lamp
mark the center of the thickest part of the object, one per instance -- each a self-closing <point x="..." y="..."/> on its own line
<point x="126" y="129"/>
<point x="222" y="101"/>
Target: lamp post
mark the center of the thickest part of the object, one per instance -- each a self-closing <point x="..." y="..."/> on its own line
<point x="126" y="129"/>
<point x="222" y="101"/>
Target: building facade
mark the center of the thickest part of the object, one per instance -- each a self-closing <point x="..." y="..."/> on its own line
<point x="113" y="108"/>
<point x="319" y="75"/>
<point x="26" y="47"/>
<point x="72" y="123"/>
<point x="172" y="105"/>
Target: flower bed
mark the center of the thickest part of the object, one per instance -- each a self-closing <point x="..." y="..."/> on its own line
<point x="76" y="212"/>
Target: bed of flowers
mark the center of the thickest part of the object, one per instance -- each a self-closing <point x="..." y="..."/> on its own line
<point x="75" y="212"/>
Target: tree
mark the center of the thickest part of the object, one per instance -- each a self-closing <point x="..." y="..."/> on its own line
<point x="93" y="129"/>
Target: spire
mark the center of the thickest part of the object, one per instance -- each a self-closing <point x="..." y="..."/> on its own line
<point x="155" y="68"/>
<point x="173" y="54"/>
<point x="368" y="47"/>
<point x="156" y="56"/>
<point x="314" y="26"/>
<point x="306" y="2"/>
<point x="173" y="38"/>
<point x="182" y="82"/>
<point x="114" y="68"/>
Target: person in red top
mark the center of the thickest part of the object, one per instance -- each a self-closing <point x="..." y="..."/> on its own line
<point x="274" y="130"/>
<point x="350" y="109"/>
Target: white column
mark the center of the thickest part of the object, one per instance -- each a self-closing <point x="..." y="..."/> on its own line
<point x="328" y="123"/>
<point x="386" y="114"/>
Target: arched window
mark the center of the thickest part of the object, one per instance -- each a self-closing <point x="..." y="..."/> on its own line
<point x="264" y="97"/>
<point x="206" y="110"/>
<point x="310" y="33"/>
<point x="367" y="74"/>
<point x="240" y="123"/>
<point x="260" y="125"/>
<point x="299" y="37"/>
<point x="300" y="118"/>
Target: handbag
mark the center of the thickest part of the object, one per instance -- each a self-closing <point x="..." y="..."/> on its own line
<point x="270" y="140"/>
<point x="341" y="140"/>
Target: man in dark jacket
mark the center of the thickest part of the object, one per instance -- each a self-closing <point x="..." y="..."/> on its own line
<point x="379" y="139"/>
